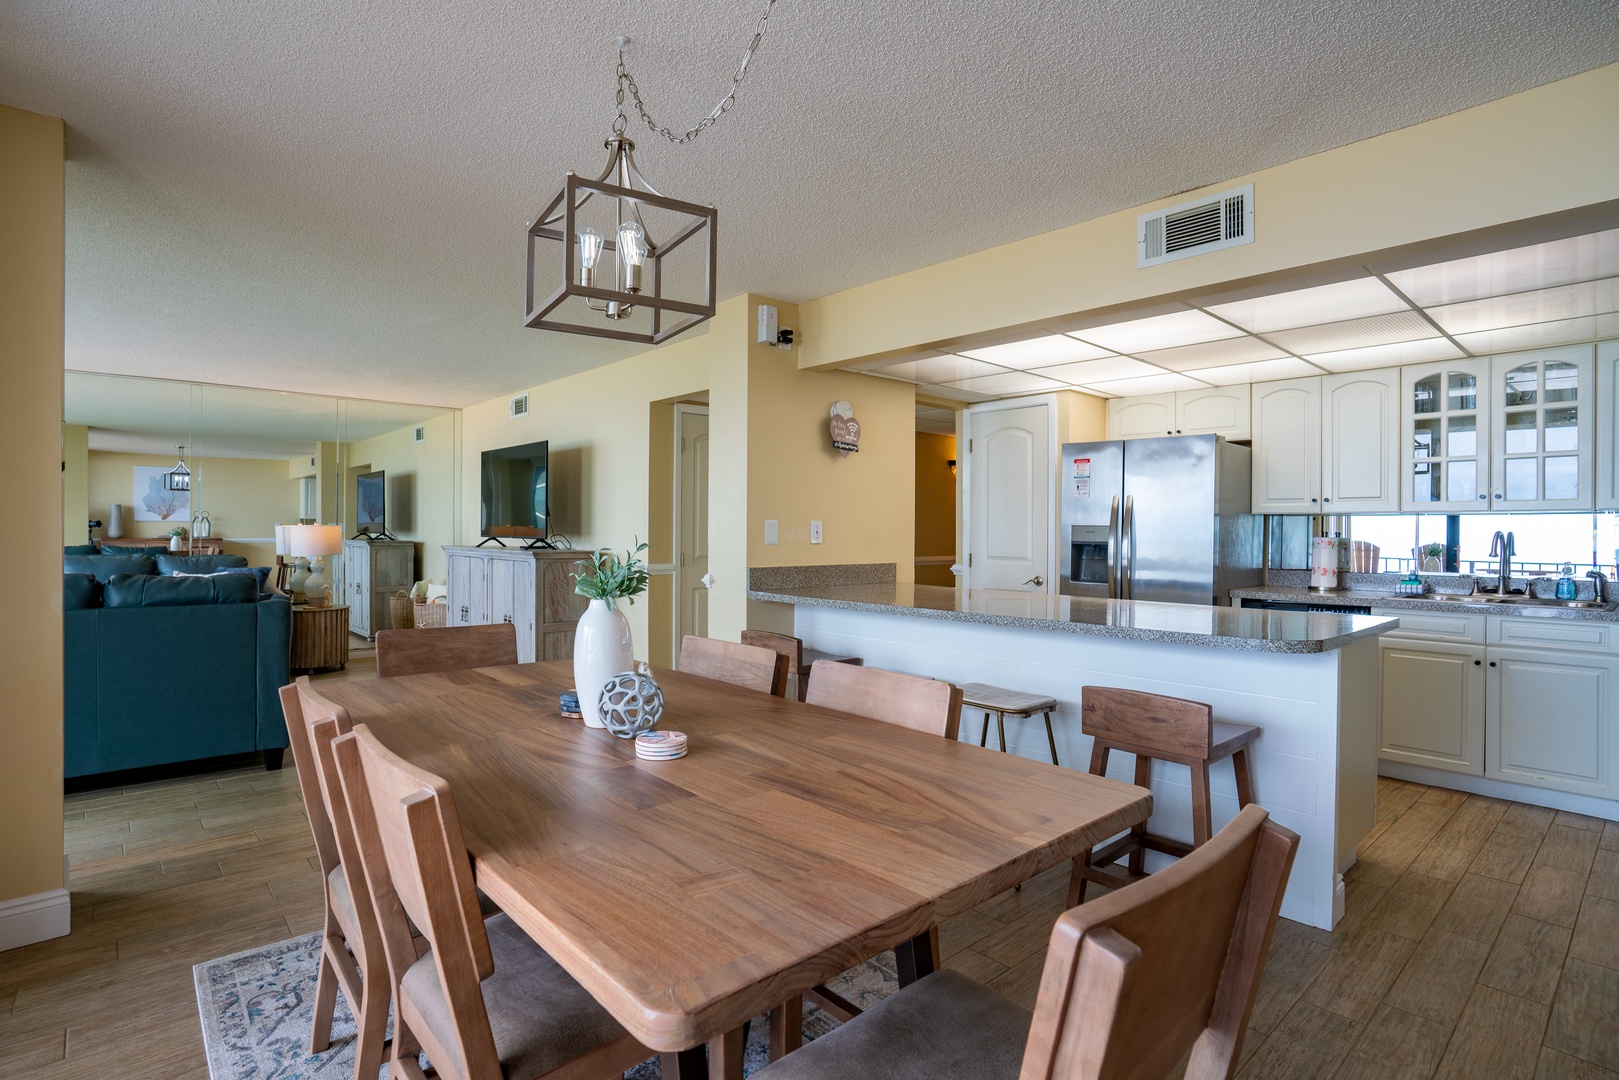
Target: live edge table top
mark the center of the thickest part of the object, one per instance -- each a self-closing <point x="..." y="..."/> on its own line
<point x="790" y="844"/>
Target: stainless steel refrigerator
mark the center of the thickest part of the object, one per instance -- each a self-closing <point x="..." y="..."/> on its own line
<point x="1159" y="519"/>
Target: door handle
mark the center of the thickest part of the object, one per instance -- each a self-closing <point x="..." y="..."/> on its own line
<point x="1037" y="580"/>
<point x="1127" y="542"/>
<point x="1112" y="551"/>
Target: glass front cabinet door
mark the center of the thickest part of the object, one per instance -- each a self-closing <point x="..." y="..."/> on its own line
<point x="1543" y="427"/>
<point x="1447" y="436"/>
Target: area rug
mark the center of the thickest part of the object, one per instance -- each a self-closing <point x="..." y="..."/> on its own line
<point x="256" y="1007"/>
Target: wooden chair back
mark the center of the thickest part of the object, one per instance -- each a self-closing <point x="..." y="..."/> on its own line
<point x="323" y="722"/>
<point x="751" y="667"/>
<point x="445" y="648"/>
<point x="1171" y="963"/>
<point x="303" y="759"/>
<point x="1159" y="725"/>
<point x="785" y="644"/>
<point x="417" y="866"/>
<point x="929" y="705"/>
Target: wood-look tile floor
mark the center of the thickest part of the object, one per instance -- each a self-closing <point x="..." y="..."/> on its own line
<point x="1481" y="939"/>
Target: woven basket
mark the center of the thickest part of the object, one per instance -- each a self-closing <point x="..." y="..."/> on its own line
<point x="430" y="615"/>
<point x="399" y="606"/>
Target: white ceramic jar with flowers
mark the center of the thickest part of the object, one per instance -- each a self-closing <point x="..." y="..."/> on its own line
<point x="601" y="644"/>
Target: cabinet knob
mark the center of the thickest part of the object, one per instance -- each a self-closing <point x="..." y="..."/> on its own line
<point x="1326" y="500"/>
<point x="1479" y="663"/>
<point x="1497" y="494"/>
<point x="1492" y="663"/>
<point x="1312" y="499"/>
<point x="1482" y="495"/>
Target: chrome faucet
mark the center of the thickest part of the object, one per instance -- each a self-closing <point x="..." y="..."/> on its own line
<point x="1602" y="584"/>
<point x="1504" y="546"/>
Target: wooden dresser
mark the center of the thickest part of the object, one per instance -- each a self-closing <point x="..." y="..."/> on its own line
<point x="212" y="545"/>
<point x="374" y="570"/>
<point x="532" y="589"/>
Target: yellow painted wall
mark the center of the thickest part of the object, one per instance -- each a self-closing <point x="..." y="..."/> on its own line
<point x="31" y="355"/>
<point x="245" y="498"/>
<point x="1545" y="151"/>
<point x="935" y="506"/>
<point x="864" y="501"/>
<point x="422" y="482"/>
<point x="598" y="425"/>
<point x="75" y="493"/>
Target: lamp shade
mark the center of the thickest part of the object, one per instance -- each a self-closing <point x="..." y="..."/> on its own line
<point x="312" y="540"/>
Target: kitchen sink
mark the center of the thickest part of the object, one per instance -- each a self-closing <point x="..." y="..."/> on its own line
<point x="1514" y="601"/>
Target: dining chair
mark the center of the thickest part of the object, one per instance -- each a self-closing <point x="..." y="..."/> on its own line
<point x="1132" y="982"/>
<point x="928" y="705"/>
<point x="484" y="1001"/>
<point x="751" y="667"/>
<point x="351" y="947"/>
<point x="799" y="658"/>
<point x="445" y="648"/>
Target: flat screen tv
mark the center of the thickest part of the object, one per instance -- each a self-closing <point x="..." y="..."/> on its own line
<point x="371" y="503"/>
<point x="515" y="502"/>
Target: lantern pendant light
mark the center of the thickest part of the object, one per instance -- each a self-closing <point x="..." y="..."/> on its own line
<point x="179" y="477"/>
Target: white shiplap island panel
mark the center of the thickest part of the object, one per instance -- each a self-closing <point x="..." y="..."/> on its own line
<point x="1308" y="680"/>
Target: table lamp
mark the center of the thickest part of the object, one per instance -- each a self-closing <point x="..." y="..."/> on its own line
<point x="315" y="542"/>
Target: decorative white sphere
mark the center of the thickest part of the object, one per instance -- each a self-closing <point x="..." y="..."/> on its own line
<point x="631" y="702"/>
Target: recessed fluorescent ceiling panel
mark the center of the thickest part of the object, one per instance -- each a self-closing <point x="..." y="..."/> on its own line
<point x="1239" y="350"/>
<point x="1105" y="369"/>
<point x="1522" y="309"/>
<point x="1307" y="307"/>
<point x="1166" y="383"/>
<point x="1536" y="335"/>
<point x="1159" y="332"/>
<point x="1011" y="382"/>
<point x="1377" y="356"/>
<point x="1559" y="262"/>
<point x="1037" y="352"/>
<point x="1354" y="334"/>
<point x="1289" y="367"/>
<point x="945" y="368"/>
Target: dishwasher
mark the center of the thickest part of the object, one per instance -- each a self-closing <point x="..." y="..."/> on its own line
<point x="1305" y="605"/>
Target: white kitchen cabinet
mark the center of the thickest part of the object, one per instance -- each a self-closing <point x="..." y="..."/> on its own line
<point x="1287" y="446"/>
<point x="1446" y="435"/>
<point x="1549" y="720"/>
<point x="1217" y="410"/>
<point x="1360" y="442"/>
<point x="1432" y="704"/>
<point x="532" y="590"/>
<point x="1607" y="465"/>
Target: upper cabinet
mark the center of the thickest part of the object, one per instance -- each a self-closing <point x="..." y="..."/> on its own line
<point x="1513" y="432"/>
<point x="1608" y="426"/>
<point x="1327" y="444"/>
<point x="1218" y="410"/>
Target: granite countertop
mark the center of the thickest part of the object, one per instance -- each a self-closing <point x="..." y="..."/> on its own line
<point x="1384" y="598"/>
<point x="1178" y="624"/>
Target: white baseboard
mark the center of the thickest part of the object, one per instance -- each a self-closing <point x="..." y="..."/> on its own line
<point x="1589" y="805"/>
<point x="40" y="917"/>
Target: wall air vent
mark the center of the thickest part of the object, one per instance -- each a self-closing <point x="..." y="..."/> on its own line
<point x="518" y="406"/>
<point x="419" y="434"/>
<point x="1208" y="224"/>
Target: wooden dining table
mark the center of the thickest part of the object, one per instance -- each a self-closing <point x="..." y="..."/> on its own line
<point x="790" y="844"/>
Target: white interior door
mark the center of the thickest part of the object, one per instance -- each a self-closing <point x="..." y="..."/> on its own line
<point x="1009" y="461"/>
<point x="691" y="562"/>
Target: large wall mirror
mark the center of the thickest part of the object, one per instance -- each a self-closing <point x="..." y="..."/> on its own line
<point x="257" y="458"/>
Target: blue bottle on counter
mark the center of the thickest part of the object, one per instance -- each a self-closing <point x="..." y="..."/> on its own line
<point x="1565" y="583"/>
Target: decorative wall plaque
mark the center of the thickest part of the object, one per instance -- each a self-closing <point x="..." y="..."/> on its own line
<point x="845" y="429"/>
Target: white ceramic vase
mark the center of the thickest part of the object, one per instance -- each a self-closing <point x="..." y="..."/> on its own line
<point x="115" y="522"/>
<point x="176" y="544"/>
<point x="601" y="649"/>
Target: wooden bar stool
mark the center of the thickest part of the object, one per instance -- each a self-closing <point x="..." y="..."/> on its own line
<point x="1004" y="703"/>
<point x="1170" y="729"/>
<point x="799" y="659"/>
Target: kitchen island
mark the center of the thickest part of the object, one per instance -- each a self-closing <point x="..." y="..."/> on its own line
<point x="1309" y="680"/>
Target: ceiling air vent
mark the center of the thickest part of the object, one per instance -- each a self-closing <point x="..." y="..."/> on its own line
<point x="518" y="406"/>
<point x="1209" y="224"/>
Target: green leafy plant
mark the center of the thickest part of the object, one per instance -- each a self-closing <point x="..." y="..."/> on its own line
<point x="179" y="530"/>
<point x="610" y="577"/>
<point x="1433" y="551"/>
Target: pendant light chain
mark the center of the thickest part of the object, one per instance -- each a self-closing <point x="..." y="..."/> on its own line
<point x="626" y="79"/>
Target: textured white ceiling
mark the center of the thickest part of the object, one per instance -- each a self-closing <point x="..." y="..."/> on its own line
<point x="333" y="196"/>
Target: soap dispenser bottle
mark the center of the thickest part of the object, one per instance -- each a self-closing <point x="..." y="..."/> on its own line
<point x="1565" y="583"/>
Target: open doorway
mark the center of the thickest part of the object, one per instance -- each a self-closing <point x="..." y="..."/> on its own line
<point x="936" y="487"/>
<point x="678" y="544"/>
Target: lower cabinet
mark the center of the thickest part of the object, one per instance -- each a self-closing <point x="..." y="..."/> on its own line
<point x="533" y="590"/>
<point x="1520" y="699"/>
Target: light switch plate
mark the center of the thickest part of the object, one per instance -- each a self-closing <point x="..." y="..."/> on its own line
<point x="815" y="532"/>
<point x="770" y="531"/>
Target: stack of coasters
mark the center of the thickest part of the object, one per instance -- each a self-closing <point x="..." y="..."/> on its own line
<point x="660" y="745"/>
<point x="570" y="705"/>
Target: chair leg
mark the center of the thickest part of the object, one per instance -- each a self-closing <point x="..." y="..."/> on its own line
<point x="372" y="1027"/>
<point x="1245" y="783"/>
<point x="1050" y="738"/>
<point x="1202" y="827"/>
<point x="1138" y="854"/>
<point x="1000" y="726"/>
<point x="320" y="1030"/>
<point x="983" y="736"/>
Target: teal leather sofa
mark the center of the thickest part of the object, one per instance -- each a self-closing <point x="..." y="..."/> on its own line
<point x="159" y="670"/>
